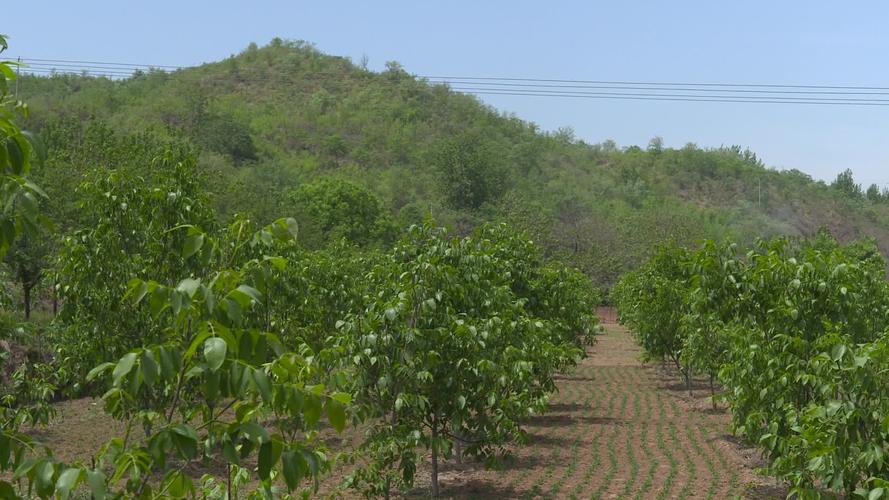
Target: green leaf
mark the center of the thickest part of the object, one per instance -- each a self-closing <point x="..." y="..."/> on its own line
<point x="255" y="433"/>
<point x="96" y="480"/>
<point x="24" y="468"/>
<point x="837" y="352"/>
<point x="336" y="413"/>
<point x="214" y="352"/>
<point x="68" y="481"/>
<point x="168" y="364"/>
<point x="193" y="243"/>
<point x="343" y="397"/>
<point x="229" y="452"/>
<point x="149" y="367"/>
<point x="45" y="472"/>
<point x="138" y="289"/>
<point x="294" y="468"/>
<point x="97" y="371"/>
<point x="123" y="368"/>
<point x="245" y="294"/>
<point x="188" y="286"/>
<point x="264" y="465"/>
<point x="391" y="314"/>
<point x="269" y="454"/>
<point x="185" y="439"/>
<point x="179" y="485"/>
<point x="263" y="385"/>
<point x="15" y="155"/>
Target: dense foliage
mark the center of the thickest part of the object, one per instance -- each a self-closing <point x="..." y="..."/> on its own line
<point x="420" y="148"/>
<point x="797" y="332"/>
<point x="450" y="349"/>
<point x="223" y="347"/>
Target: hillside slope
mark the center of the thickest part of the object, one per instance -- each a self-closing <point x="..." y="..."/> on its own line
<point x="274" y="118"/>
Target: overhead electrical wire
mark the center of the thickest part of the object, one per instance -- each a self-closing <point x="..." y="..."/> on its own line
<point x="842" y="95"/>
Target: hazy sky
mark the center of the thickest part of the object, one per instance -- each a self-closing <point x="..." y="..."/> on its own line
<point x="775" y="42"/>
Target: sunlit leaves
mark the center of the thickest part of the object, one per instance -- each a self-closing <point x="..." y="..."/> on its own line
<point x="18" y="195"/>
<point x="796" y="330"/>
<point x="214" y="352"/>
<point x="445" y="347"/>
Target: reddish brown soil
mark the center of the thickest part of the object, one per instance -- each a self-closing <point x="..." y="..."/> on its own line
<point x="619" y="429"/>
<point x="616" y="429"/>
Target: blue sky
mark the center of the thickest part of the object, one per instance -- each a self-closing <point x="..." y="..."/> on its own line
<point x="786" y="42"/>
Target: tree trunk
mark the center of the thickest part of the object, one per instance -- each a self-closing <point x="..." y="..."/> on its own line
<point x="55" y="302"/>
<point x="458" y="449"/>
<point x="434" y="458"/>
<point x="712" y="392"/>
<point x="26" y="288"/>
<point x="687" y="374"/>
<point x="231" y="495"/>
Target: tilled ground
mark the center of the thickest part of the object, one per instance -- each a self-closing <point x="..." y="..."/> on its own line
<point x="616" y="429"/>
<point x="620" y="429"/>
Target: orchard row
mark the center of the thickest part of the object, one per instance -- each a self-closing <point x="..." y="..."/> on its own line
<point x="795" y="331"/>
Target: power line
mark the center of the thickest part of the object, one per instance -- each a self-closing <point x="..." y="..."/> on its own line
<point x="129" y="70"/>
<point x="668" y="97"/>
<point x="645" y="94"/>
<point x="72" y="61"/>
<point x="508" y="79"/>
<point x="676" y="84"/>
<point x="535" y="87"/>
<point x="465" y="81"/>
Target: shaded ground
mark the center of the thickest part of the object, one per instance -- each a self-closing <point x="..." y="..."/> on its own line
<point x="616" y="429"/>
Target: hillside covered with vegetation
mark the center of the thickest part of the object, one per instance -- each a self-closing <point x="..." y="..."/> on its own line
<point x="287" y="130"/>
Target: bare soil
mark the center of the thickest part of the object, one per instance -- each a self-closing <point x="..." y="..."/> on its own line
<point x="616" y="429"/>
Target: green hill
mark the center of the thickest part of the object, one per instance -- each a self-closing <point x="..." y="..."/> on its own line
<point x="272" y="119"/>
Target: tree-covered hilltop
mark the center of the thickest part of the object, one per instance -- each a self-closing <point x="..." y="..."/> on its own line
<point x="287" y="130"/>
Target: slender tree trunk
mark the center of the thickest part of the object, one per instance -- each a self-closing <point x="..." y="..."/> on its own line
<point x="458" y="447"/>
<point x="55" y="302"/>
<point x="230" y="493"/>
<point x="26" y="288"/>
<point x="687" y="374"/>
<point x="434" y="457"/>
<point x="712" y="392"/>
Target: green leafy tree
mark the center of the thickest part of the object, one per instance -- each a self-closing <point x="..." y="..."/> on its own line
<point x="652" y="301"/>
<point x="845" y="183"/>
<point x="135" y="235"/>
<point x="28" y="260"/>
<point x="341" y="209"/>
<point x="469" y="171"/>
<point x="711" y="308"/>
<point x="214" y="389"/>
<point x="446" y="352"/>
<point x="874" y="194"/>
<point x="796" y="330"/>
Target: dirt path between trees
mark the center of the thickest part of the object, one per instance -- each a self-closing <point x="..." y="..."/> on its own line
<point x="616" y="429"/>
<point x="620" y="429"/>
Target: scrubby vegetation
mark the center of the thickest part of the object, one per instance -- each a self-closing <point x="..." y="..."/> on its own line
<point x="272" y="122"/>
